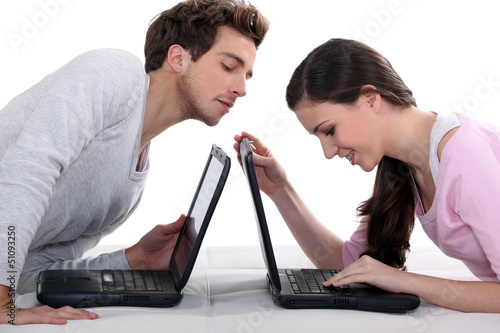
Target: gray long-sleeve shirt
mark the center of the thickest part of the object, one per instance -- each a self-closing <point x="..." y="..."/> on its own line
<point x="68" y="154"/>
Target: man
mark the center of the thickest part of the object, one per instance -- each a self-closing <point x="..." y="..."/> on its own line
<point x="74" y="148"/>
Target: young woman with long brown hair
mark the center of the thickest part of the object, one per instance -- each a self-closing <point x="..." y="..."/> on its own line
<point x="350" y="97"/>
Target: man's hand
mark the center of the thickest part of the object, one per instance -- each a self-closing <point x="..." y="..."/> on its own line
<point x="39" y="315"/>
<point x="155" y="248"/>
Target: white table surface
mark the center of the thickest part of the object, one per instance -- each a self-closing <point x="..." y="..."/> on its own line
<point x="227" y="292"/>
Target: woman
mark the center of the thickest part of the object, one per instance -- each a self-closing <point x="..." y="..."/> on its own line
<point x="443" y="169"/>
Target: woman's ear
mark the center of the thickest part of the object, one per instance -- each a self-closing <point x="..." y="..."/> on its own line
<point x="370" y="97"/>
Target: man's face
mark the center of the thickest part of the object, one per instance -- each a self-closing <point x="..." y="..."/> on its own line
<point x="210" y="86"/>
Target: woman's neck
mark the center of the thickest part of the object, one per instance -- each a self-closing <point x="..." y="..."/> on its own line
<point x="409" y="141"/>
<point x="408" y="138"/>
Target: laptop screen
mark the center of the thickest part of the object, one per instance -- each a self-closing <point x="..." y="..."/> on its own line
<point x="264" y="235"/>
<point x="198" y="217"/>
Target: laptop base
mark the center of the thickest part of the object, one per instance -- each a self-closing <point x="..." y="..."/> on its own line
<point x="56" y="287"/>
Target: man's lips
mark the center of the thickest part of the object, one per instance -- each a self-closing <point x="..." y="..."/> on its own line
<point x="226" y="104"/>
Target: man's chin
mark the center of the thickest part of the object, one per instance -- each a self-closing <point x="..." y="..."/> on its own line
<point x="209" y="120"/>
<point x="212" y="121"/>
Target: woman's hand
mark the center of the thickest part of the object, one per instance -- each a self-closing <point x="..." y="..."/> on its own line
<point x="270" y="174"/>
<point x="373" y="272"/>
<point x="467" y="296"/>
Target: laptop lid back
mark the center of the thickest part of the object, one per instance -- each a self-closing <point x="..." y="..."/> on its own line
<point x="264" y="236"/>
<point x="200" y="212"/>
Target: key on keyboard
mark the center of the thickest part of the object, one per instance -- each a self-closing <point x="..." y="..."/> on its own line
<point x="119" y="280"/>
<point x="310" y="281"/>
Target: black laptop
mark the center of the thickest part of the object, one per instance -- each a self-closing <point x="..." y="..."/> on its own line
<point x="89" y="288"/>
<point x="303" y="288"/>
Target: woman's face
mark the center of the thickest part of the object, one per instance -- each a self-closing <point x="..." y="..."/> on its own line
<point x="350" y="131"/>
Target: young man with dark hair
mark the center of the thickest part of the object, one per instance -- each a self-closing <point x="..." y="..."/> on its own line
<point x="74" y="147"/>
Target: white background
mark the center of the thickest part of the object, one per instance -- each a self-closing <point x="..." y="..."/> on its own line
<point x="446" y="52"/>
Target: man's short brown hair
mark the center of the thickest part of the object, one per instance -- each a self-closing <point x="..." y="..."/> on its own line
<point x="193" y="25"/>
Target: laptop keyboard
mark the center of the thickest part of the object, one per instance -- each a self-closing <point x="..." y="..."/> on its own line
<point x="133" y="280"/>
<point x="310" y="281"/>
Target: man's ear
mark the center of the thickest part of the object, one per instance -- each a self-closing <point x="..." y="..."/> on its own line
<point x="370" y="97"/>
<point x="176" y="58"/>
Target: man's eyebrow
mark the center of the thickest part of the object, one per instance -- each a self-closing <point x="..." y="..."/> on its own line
<point x="239" y="60"/>
<point x="317" y="127"/>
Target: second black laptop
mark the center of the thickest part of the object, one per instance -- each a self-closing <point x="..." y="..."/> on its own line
<point x="303" y="288"/>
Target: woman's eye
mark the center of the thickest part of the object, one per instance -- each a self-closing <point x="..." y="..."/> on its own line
<point x="331" y="131"/>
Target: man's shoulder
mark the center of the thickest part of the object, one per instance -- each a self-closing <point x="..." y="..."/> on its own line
<point x="115" y="70"/>
<point x="109" y="58"/>
<point x="106" y="54"/>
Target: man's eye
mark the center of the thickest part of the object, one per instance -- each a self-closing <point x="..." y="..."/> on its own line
<point x="227" y="68"/>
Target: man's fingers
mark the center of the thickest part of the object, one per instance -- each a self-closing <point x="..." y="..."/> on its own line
<point x="173" y="227"/>
<point x="48" y="315"/>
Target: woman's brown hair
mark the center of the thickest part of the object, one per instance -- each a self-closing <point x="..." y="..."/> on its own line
<point x="336" y="72"/>
<point x="193" y="25"/>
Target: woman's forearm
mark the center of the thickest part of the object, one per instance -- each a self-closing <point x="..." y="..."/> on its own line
<point x="466" y="296"/>
<point x="321" y="245"/>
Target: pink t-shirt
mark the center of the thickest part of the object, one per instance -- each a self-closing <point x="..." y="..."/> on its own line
<point x="463" y="220"/>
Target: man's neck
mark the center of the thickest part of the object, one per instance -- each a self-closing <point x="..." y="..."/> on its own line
<point x="162" y="109"/>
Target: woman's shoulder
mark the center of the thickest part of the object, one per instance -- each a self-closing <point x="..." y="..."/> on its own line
<point x="473" y="137"/>
<point x="472" y="152"/>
